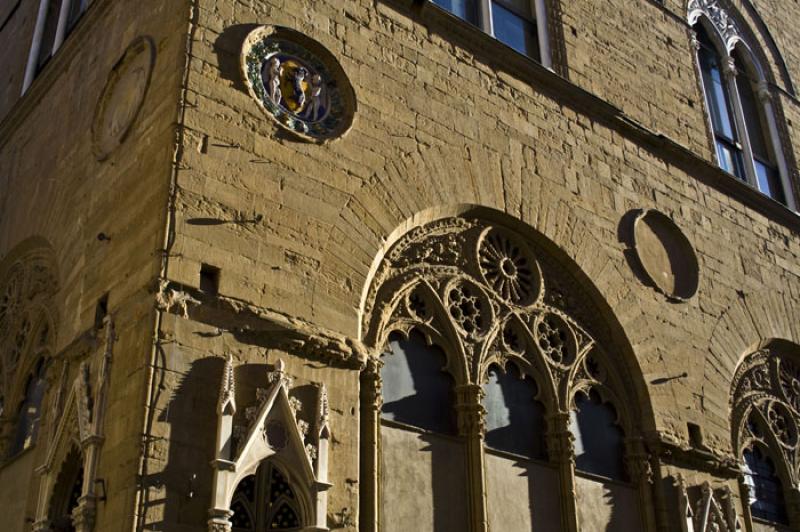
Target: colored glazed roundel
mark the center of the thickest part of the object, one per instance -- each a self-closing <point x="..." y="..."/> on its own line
<point x="298" y="83"/>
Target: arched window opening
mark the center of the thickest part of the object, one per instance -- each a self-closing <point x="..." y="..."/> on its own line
<point x="755" y="121"/>
<point x="766" y="491"/>
<point x="719" y="103"/>
<point x="599" y="441"/>
<point x="67" y="493"/>
<point x="416" y="390"/>
<point x="743" y="121"/>
<point x="30" y="411"/>
<point x="515" y="420"/>
<point x="265" y="501"/>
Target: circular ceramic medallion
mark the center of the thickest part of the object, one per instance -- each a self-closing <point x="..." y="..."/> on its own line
<point x="122" y="97"/>
<point x="666" y="255"/>
<point x="276" y="434"/>
<point x="298" y="83"/>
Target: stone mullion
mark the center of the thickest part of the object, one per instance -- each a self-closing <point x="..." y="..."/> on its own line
<point x="371" y="403"/>
<point x="561" y="450"/>
<point x="744" y="490"/>
<point x="641" y="472"/>
<point x="472" y="426"/>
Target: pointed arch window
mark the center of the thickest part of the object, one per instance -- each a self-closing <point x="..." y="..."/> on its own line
<point x="766" y="491"/>
<point x="515" y="354"/>
<point x="765" y="416"/>
<point x="738" y="101"/>
<point x="599" y="441"/>
<point x="515" y="420"/>
<point x="416" y="390"/>
<point x="265" y="501"/>
<point x="30" y="411"/>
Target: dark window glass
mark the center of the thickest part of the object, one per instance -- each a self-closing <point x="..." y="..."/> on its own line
<point x="729" y="151"/>
<point x="599" y="446"/>
<point x="76" y="9"/>
<point x="514" y="419"/>
<point x="415" y="388"/>
<point x="466" y="9"/>
<point x="515" y="26"/>
<point x="30" y="412"/>
<point x="766" y="492"/>
<point x="265" y="501"/>
<point x="49" y="33"/>
<point x="769" y="181"/>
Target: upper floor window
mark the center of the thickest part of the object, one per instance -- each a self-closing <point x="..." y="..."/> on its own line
<point x="739" y="105"/>
<point x="521" y="24"/>
<point x="55" y="21"/>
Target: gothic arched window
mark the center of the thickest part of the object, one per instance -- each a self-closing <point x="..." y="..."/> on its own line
<point x="416" y="390"/>
<point x="67" y="492"/>
<point x="738" y="100"/>
<point x="515" y="420"/>
<point x="469" y="404"/>
<point x="766" y="491"/>
<point x="765" y="417"/>
<point x="30" y="411"/>
<point x="265" y="501"/>
<point x="599" y="441"/>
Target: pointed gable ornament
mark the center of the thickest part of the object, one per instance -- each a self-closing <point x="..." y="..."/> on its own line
<point x="272" y="430"/>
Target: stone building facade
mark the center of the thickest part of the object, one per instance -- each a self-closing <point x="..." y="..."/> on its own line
<point x="389" y="265"/>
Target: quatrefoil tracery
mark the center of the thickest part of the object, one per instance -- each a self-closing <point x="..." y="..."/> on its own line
<point x="765" y="410"/>
<point x="482" y="287"/>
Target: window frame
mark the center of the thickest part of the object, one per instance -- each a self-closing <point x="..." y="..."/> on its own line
<point x="733" y="71"/>
<point x="539" y="10"/>
<point x="33" y="67"/>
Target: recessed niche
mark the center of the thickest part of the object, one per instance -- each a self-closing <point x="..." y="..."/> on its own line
<point x="667" y="257"/>
<point x="122" y="97"/>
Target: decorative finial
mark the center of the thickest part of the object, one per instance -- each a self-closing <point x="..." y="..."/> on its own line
<point x="227" y="392"/>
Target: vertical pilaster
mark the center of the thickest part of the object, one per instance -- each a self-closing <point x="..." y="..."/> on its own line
<point x="744" y="489"/>
<point x="561" y="449"/>
<point x="371" y="402"/>
<point x="641" y="472"/>
<point x="471" y="426"/>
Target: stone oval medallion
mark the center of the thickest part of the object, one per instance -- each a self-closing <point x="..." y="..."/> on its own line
<point x="298" y="83"/>
<point x="666" y="255"/>
<point x="122" y="97"/>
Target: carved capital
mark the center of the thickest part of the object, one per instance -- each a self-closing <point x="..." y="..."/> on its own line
<point x="471" y="414"/>
<point x="729" y="69"/>
<point x="638" y="461"/>
<point x="371" y="384"/>
<point x="764" y="94"/>
<point x="42" y="525"/>
<point x="560" y="440"/>
<point x="694" y="40"/>
<point x="219" y="520"/>
<point x="84" y="515"/>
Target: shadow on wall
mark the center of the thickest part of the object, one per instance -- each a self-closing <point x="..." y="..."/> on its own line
<point x="228" y="48"/>
<point x="448" y="462"/>
<point x="178" y="490"/>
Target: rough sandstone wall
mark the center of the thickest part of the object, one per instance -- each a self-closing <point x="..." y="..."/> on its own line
<point x="52" y="187"/>
<point x="438" y="126"/>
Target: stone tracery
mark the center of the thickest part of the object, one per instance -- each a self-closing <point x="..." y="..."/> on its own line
<point x="765" y="414"/>
<point x="487" y="297"/>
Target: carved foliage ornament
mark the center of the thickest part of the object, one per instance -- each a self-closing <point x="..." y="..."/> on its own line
<point x="491" y="297"/>
<point x="718" y="16"/>
<point x="764" y="405"/>
<point x="297" y="83"/>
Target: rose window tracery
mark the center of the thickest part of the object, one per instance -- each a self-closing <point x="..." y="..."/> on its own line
<point x="491" y="286"/>
<point x="508" y="268"/>
<point x="790" y="382"/>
